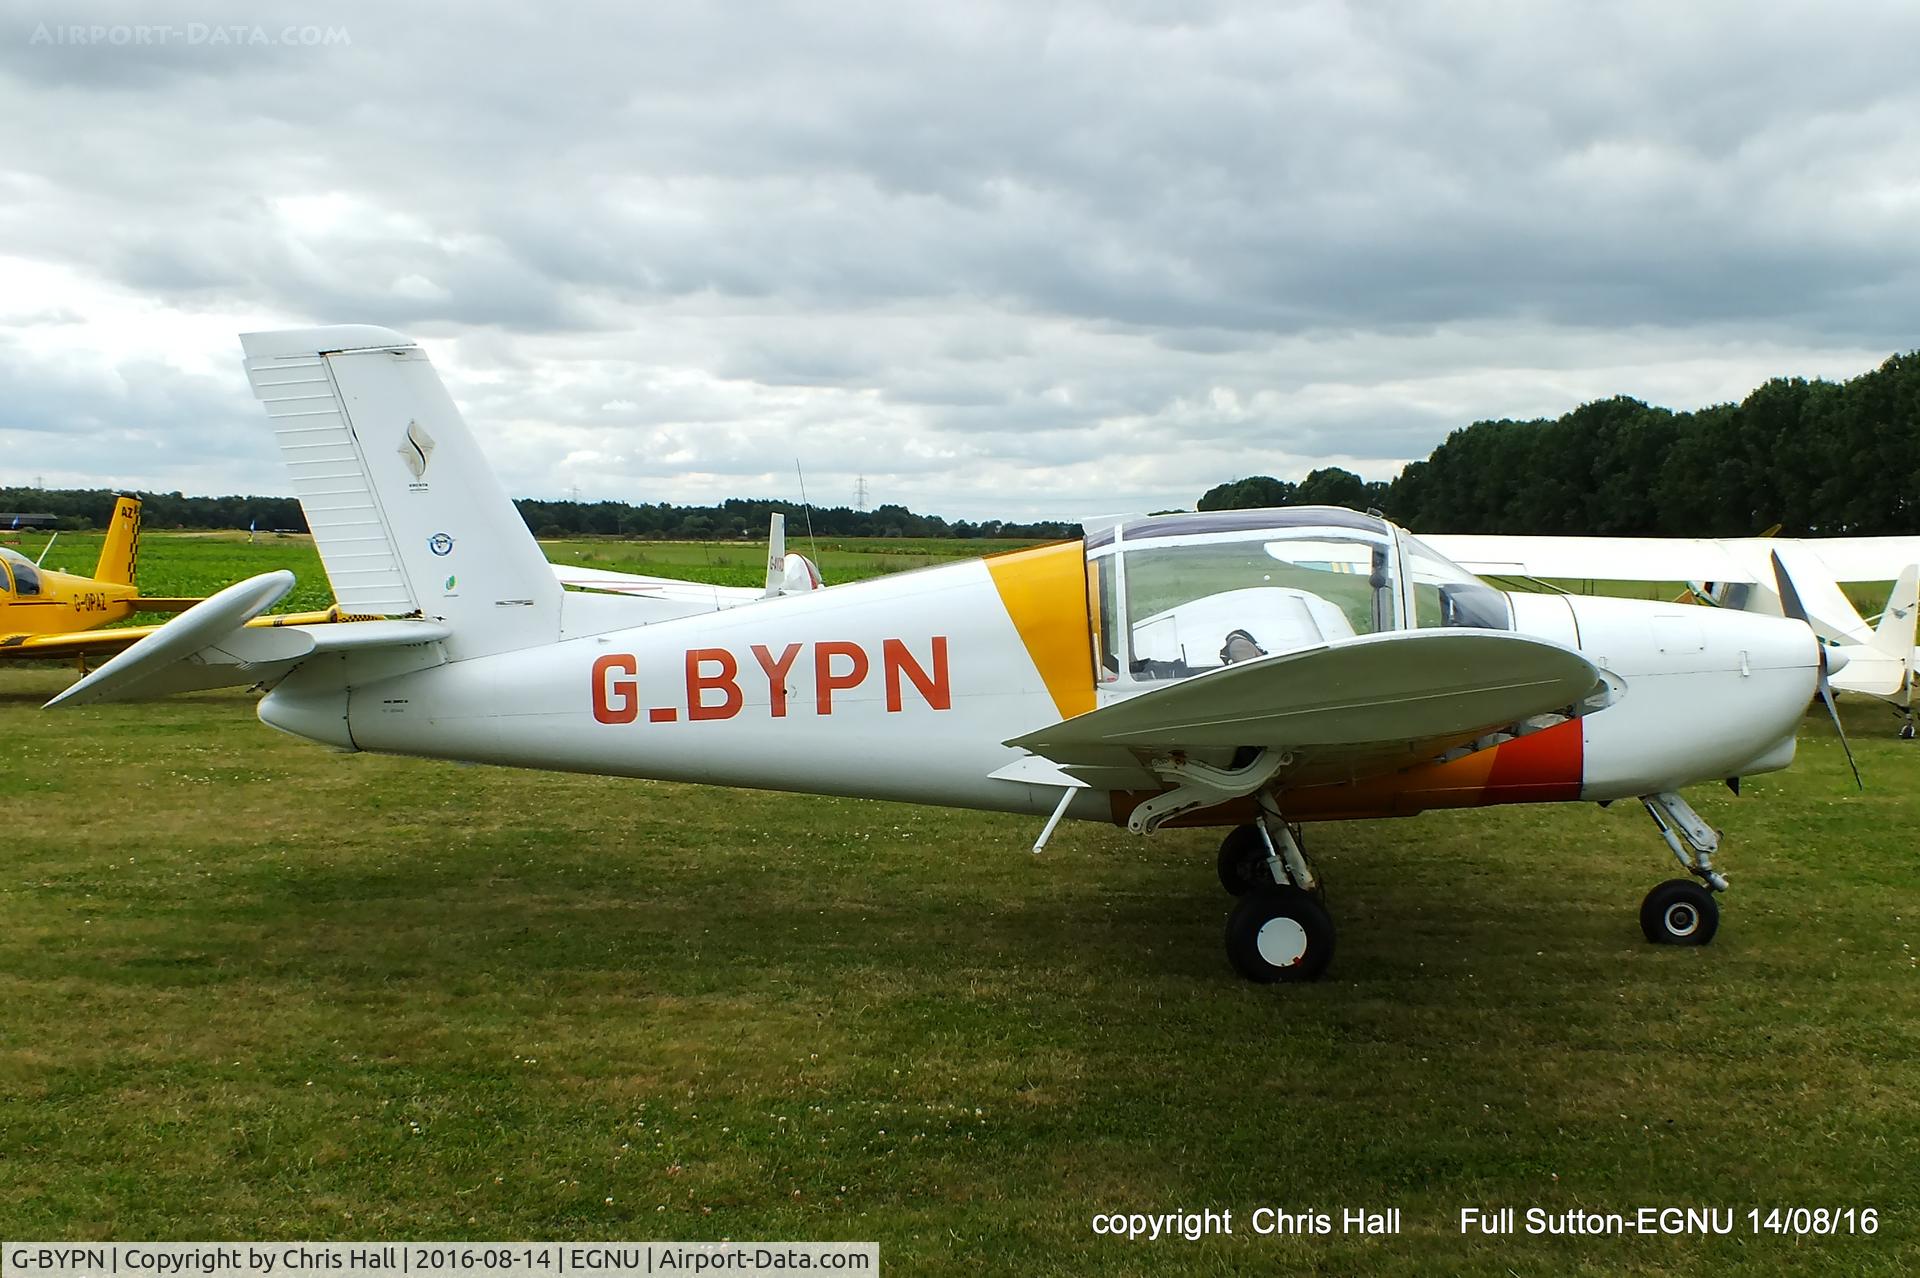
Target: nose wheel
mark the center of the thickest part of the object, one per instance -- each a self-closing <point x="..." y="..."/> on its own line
<point x="1679" y="912"/>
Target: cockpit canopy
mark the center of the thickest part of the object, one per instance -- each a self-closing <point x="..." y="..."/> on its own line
<point x="1175" y="595"/>
<point x="25" y="578"/>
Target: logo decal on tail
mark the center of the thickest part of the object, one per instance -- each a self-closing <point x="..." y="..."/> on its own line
<point x="440" y="544"/>
<point x="415" y="449"/>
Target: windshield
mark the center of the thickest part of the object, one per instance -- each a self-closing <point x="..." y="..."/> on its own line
<point x="1445" y="594"/>
<point x="1198" y="601"/>
<point x="26" y="578"/>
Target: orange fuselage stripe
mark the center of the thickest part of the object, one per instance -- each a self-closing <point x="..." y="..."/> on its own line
<point x="1541" y="767"/>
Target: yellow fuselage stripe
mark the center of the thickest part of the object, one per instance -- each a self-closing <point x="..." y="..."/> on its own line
<point x="1045" y="593"/>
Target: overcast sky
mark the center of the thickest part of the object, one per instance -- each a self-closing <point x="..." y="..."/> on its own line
<point x="1019" y="259"/>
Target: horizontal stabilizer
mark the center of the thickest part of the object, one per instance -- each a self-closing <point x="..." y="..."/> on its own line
<point x="211" y="619"/>
<point x="212" y="645"/>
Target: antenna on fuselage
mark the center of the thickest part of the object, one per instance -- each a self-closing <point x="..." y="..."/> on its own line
<point x="44" y="549"/>
<point x="808" y="507"/>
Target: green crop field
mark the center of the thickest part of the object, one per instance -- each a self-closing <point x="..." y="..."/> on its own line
<point x="250" y="988"/>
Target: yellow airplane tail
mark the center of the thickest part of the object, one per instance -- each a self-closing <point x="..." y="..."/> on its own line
<point x="122" y="546"/>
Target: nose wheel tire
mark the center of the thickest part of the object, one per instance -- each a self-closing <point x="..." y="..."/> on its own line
<point x="1679" y="912"/>
<point x="1279" y="934"/>
<point x="1243" y="861"/>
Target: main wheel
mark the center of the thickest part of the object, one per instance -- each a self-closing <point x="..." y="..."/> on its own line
<point x="1679" y="912"/>
<point x="1243" y="861"/>
<point x="1279" y="934"/>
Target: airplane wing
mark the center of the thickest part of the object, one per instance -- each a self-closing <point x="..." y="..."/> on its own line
<point x="1357" y="707"/>
<point x="105" y="643"/>
<point x="166" y="603"/>
<point x="1598" y="558"/>
<point x="1745" y="560"/>
<point x="675" y="597"/>
<point x="1861" y="558"/>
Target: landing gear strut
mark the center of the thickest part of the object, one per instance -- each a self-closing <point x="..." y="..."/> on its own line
<point x="1246" y="855"/>
<point x="1681" y="911"/>
<point x="1279" y="930"/>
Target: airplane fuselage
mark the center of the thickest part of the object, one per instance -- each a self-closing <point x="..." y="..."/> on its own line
<point x="58" y="602"/>
<point x="906" y="687"/>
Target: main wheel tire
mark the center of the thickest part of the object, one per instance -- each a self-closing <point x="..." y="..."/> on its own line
<point x="1243" y="861"/>
<point x="1279" y="934"/>
<point x="1679" y="912"/>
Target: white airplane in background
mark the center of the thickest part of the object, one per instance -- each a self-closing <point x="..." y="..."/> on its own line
<point x="1248" y="669"/>
<point x="1773" y="576"/>
<point x="788" y="573"/>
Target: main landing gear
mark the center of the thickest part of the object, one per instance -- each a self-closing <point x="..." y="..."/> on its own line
<point x="1279" y="930"/>
<point x="1682" y="911"/>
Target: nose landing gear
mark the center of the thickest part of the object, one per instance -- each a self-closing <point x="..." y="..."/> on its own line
<point x="1681" y="911"/>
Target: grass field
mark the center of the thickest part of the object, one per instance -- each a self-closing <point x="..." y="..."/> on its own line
<point x="250" y="988"/>
<point x="201" y="563"/>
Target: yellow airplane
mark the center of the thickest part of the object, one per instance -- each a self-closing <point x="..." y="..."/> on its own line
<point x="47" y="614"/>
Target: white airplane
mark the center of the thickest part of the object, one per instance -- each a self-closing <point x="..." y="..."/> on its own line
<point x="788" y="573"/>
<point x="1773" y="576"/>
<point x="1248" y="669"/>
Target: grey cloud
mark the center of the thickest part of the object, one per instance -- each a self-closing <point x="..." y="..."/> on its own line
<point x="998" y="230"/>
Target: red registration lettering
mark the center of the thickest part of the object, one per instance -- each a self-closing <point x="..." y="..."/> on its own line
<point x="616" y="700"/>
<point x="825" y="682"/>
<point x="895" y="661"/>
<point x="776" y="669"/>
<point x="726" y="683"/>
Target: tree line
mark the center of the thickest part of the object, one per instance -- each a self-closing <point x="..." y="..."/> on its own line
<point x="1818" y="458"/>
<point x="84" y="508"/>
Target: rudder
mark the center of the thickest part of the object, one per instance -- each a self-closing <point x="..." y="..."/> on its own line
<point x="120" y="552"/>
<point x="1895" y="633"/>
<point x="407" y="516"/>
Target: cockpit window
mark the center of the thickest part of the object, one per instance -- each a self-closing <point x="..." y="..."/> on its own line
<point x="6" y="583"/>
<point x="1445" y="594"/>
<point x="26" y="579"/>
<point x="1178" y="595"/>
<point x="1196" y="601"/>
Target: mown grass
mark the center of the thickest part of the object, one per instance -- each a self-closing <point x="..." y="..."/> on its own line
<point x="250" y="988"/>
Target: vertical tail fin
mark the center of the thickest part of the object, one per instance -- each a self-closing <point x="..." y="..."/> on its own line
<point x="1895" y="633"/>
<point x="120" y="552"/>
<point x="406" y="513"/>
<point x="776" y="555"/>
